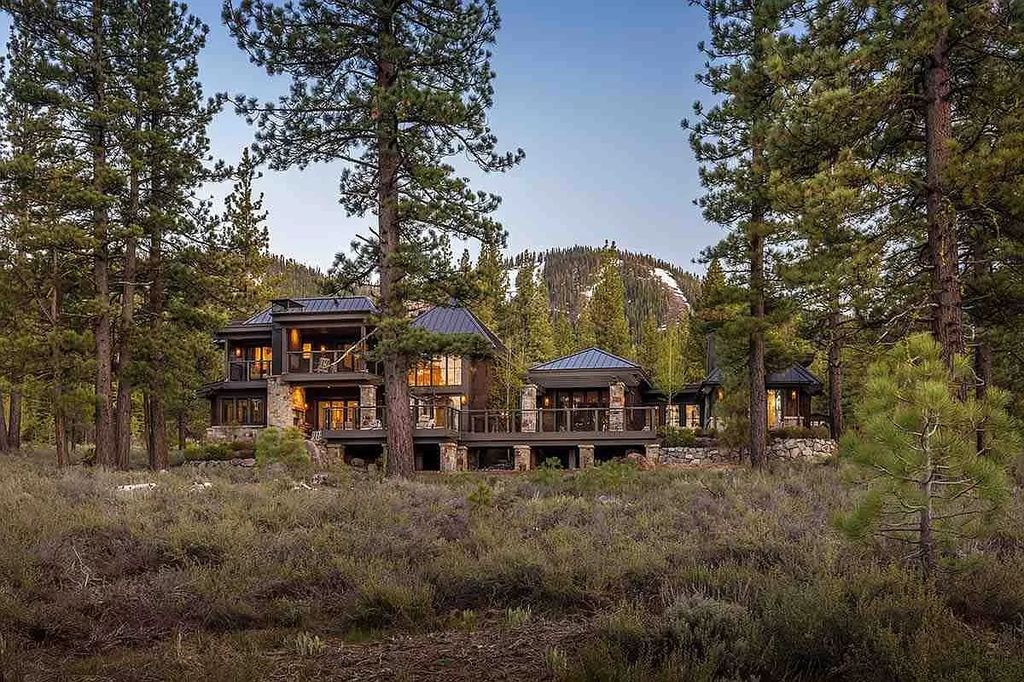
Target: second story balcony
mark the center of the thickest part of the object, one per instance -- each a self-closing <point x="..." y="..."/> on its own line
<point x="248" y="370"/>
<point x="333" y="361"/>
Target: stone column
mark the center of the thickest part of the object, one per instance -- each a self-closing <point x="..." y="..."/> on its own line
<point x="367" y="405"/>
<point x="528" y="404"/>
<point x="279" y="404"/>
<point x="652" y="453"/>
<point x="449" y="456"/>
<point x="462" y="458"/>
<point x="586" y="455"/>
<point x="523" y="457"/>
<point x="617" y="404"/>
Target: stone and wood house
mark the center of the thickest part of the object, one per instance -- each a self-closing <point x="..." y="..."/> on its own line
<point x="307" y="363"/>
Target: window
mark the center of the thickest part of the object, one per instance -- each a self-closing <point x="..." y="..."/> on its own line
<point x="338" y="415"/>
<point x="774" y="408"/>
<point x="242" y="411"/>
<point x="442" y="370"/>
<point x="249" y="363"/>
<point x="692" y="417"/>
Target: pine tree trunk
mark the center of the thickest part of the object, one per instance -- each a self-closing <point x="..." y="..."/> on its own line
<point x="124" y="356"/>
<point x="5" y="446"/>
<point x="835" y="377"/>
<point x="755" y="351"/>
<point x="755" y="363"/>
<point x="103" y="329"/>
<point x="947" y="311"/>
<point x="400" y="459"/>
<point x="14" y="423"/>
<point x="60" y="437"/>
<point x="182" y="431"/>
<point x="156" y="432"/>
<point x="156" y="414"/>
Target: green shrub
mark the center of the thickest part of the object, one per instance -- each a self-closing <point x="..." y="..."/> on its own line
<point x="219" y="451"/>
<point x="607" y="476"/>
<point x="207" y="452"/>
<point x="548" y="473"/>
<point x="287" y="447"/>
<point x="481" y="497"/>
<point x="674" y="437"/>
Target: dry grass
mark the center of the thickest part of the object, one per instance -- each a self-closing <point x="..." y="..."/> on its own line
<point x="612" y="574"/>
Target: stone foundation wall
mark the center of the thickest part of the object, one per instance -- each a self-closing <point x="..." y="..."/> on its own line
<point x="807" y="449"/>
<point x="790" y="449"/>
<point x="246" y="462"/>
<point x="220" y="434"/>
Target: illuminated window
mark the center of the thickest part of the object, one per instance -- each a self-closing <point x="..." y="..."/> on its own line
<point x="242" y="411"/>
<point x="774" y="408"/>
<point x="692" y="417"/>
<point x="438" y="371"/>
<point x="337" y="415"/>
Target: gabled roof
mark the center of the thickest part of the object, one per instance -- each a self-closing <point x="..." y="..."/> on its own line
<point x="319" y="304"/>
<point x="455" y="319"/>
<point x="794" y="375"/>
<point x="591" y="358"/>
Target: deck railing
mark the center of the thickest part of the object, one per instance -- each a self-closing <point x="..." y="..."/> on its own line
<point x="561" y="420"/>
<point x="375" y="418"/>
<point x="327" y="361"/>
<point x="248" y="370"/>
<point x="569" y="420"/>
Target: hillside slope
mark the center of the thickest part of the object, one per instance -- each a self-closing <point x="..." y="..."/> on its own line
<point x="653" y="286"/>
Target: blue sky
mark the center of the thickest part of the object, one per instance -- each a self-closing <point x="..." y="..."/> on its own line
<point x="593" y="90"/>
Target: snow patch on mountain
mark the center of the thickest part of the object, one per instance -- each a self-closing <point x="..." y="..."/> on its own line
<point x="669" y="280"/>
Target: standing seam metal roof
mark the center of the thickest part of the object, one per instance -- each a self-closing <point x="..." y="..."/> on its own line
<point x="795" y="374"/>
<point x="321" y="304"/>
<point x="454" y="320"/>
<point x="591" y="358"/>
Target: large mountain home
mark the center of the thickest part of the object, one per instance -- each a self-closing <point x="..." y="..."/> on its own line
<point x="306" y="363"/>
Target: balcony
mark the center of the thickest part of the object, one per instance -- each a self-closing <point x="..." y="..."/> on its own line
<point x="572" y="420"/>
<point x="248" y="370"/>
<point x="355" y="422"/>
<point x="351" y="360"/>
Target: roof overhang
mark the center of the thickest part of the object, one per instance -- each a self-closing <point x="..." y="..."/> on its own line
<point x="244" y="332"/>
<point x="587" y="378"/>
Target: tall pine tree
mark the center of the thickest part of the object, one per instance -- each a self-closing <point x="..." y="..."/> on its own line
<point x="607" y="307"/>
<point x="729" y="141"/>
<point x="393" y="89"/>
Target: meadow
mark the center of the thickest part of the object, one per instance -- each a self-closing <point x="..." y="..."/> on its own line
<point x="605" y="574"/>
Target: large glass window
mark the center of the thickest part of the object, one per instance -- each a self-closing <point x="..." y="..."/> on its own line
<point x="338" y="415"/>
<point x="442" y="370"/>
<point x="242" y="411"/>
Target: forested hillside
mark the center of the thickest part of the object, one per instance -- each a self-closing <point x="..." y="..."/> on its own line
<point x="654" y="287"/>
<point x="289" y="277"/>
